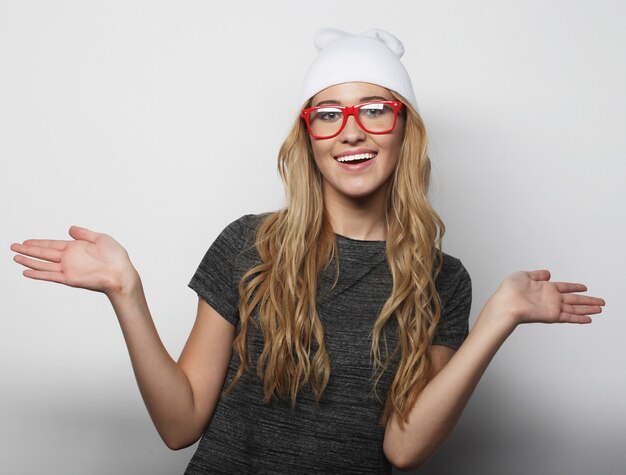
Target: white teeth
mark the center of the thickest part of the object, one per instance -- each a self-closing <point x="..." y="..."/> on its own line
<point x="358" y="156"/>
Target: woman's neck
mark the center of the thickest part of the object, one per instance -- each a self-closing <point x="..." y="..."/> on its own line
<point x="361" y="219"/>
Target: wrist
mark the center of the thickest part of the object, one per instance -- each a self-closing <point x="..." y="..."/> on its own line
<point x="128" y="300"/>
<point x="128" y="287"/>
<point x="499" y="316"/>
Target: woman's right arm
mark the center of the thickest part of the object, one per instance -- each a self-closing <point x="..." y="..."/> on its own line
<point x="180" y="397"/>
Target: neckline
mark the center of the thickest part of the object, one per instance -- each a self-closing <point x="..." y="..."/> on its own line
<point x="358" y="241"/>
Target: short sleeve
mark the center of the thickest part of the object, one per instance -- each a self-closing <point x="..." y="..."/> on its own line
<point x="456" y="302"/>
<point x="214" y="279"/>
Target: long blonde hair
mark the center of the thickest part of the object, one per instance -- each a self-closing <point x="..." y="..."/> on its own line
<point x="296" y="243"/>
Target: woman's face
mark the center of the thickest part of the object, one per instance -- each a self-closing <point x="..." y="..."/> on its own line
<point x="358" y="180"/>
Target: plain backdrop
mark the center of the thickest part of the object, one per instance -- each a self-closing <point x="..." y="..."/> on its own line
<point x="159" y="123"/>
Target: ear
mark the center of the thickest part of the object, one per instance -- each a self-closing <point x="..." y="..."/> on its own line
<point x="326" y="36"/>
<point x="390" y="41"/>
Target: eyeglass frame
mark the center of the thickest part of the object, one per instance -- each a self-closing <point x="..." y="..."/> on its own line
<point x="348" y="111"/>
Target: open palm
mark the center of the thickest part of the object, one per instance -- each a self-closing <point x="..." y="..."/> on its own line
<point x="531" y="297"/>
<point x="91" y="261"/>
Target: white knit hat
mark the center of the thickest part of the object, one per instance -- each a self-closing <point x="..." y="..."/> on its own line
<point x="373" y="56"/>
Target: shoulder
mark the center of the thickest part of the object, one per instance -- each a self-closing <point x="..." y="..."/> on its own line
<point x="247" y="221"/>
<point x="244" y="228"/>
<point x="451" y="267"/>
<point x="453" y="278"/>
<point x="454" y="287"/>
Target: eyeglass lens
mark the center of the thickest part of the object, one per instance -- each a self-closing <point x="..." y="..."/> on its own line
<point x="374" y="118"/>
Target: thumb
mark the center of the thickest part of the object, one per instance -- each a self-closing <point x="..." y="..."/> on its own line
<point x="542" y="274"/>
<point x="83" y="234"/>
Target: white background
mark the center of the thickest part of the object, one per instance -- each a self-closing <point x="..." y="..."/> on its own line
<point x="159" y="123"/>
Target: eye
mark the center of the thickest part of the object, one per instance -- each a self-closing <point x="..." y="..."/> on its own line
<point x="328" y="114"/>
<point x="373" y="110"/>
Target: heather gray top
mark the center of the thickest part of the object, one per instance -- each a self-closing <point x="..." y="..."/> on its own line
<point x="342" y="432"/>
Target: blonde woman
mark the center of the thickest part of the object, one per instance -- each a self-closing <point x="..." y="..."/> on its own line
<point x="331" y="335"/>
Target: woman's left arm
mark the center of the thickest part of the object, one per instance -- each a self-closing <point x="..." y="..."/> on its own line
<point x="523" y="297"/>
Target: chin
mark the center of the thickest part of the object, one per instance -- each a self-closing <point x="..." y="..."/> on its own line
<point x="363" y="194"/>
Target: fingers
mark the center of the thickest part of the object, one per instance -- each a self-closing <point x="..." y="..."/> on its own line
<point x="36" y="264"/>
<point x="43" y="275"/>
<point x="53" y="244"/>
<point x="582" y="304"/>
<point x="45" y="253"/>
<point x="541" y="274"/>
<point x="582" y="309"/>
<point x="563" y="287"/>
<point x="83" y="233"/>
<point x="578" y="308"/>
<point x="568" y="287"/>
<point x="574" y="299"/>
<point x="579" y="305"/>
<point x="572" y="318"/>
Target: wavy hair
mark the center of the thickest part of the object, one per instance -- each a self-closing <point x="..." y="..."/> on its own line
<point x="296" y="243"/>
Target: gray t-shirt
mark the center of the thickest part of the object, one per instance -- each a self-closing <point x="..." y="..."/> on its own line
<point x="342" y="432"/>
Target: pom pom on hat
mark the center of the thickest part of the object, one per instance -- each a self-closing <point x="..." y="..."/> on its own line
<point x="372" y="56"/>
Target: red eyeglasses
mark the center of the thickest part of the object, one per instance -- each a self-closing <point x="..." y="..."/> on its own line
<point x="376" y="117"/>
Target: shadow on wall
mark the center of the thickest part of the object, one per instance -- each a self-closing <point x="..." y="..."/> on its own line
<point x="90" y="437"/>
<point x="75" y="434"/>
<point x="493" y="439"/>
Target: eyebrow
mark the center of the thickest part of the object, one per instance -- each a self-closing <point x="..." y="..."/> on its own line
<point x="362" y="100"/>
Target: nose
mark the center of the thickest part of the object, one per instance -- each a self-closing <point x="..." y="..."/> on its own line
<point x="352" y="132"/>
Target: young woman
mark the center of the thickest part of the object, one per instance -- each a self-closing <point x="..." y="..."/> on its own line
<point x="330" y="335"/>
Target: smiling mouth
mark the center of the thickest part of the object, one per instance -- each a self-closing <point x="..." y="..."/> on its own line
<point x="356" y="158"/>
